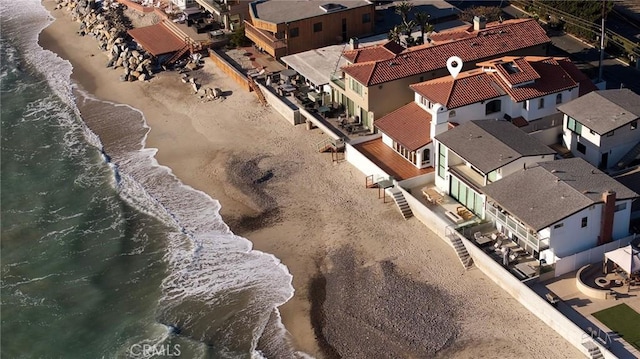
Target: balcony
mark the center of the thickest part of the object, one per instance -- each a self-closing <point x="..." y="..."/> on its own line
<point x="274" y="46"/>
<point x="213" y="6"/>
<point x="469" y="176"/>
<point x="338" y="81"/>
<point x="527" y="239"/>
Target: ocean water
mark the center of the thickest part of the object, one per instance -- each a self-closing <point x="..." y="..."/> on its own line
<point x="104" y="253"/>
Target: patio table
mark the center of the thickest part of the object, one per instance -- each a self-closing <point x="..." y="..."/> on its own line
<point x="323" y="110"/>
<point x="431" y="195"/>
<point x="526" y="269"/>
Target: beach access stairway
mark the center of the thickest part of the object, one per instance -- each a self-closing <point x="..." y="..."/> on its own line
<point x="256" y="89"/>
<point x="330" y="144"/>
<point x="402" y="204"/>
<point x="460" y="249"/>
<point x="594" y="351"/>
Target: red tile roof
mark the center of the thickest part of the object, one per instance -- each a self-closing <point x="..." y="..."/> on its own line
<point x="515" y="70"/>
<point x="385" y="51"/>
<point x="469" y="87"/>
<point x="553" y="78"/>
<point x="157" y="39"/>
<point x="509" y="36"/>
<point x="550" y="75"/>
<point x="586" y="85"/>
<point x="409" y="125"/>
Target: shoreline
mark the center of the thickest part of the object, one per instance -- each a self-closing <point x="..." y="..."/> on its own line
<point x="309" y="214"/>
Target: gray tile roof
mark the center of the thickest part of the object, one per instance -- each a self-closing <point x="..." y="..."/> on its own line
<point x="604" y="111"/>
<point x="280" y="11"/>
<point x="491" y="144"/>
<point x="543" y="195"/>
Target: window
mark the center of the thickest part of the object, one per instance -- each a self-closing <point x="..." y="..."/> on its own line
<point x="581" y="148"/>
<point x="295" y="32"/>
<point x="558" y="99"/>
<point x="620" y="207"/>
<point x="559" y="225"/>
<point x="441" y="159"/>
<point x="317" y="27"/>
<point x="493" y="107"/>
<point x="452" y="114"/>
<point x="355" y="86"/>
<point x="541" y="103"/>
<point x="524" y="104"/>
<point x="426" y="156"/>
<point x="426" y="102"/>
<point x="634" y="125"/>
<point x="584" y="222"/>
<point x="366" y="18"/>
<point x="574" y="125"/>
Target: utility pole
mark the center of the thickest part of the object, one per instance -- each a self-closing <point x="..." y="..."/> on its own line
<point x="600" y="68"/>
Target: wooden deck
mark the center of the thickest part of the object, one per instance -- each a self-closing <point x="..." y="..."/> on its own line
<point x="390" y="161"/>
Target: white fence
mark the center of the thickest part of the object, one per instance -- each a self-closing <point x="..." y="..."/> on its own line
<point x="593" y="255"/>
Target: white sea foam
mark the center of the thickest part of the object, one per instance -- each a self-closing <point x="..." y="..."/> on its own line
<point x="207" y="262"/>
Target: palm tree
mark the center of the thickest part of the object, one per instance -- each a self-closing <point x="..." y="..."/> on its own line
<point x="422" y="19"/>
<point x="403" y="9"/>
<point x="395" y="33"/>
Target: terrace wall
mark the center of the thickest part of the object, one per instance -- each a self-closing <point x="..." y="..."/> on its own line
<point x="363" y="164"/>
<point x="286" y="108"/>
<point x="230" y="70"/>
<point x="530" y="300"/>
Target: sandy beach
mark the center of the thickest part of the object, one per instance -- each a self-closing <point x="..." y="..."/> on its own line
<point x="367" y="283"/>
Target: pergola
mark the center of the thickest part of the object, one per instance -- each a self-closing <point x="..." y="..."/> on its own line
<point x="627" y="258"/>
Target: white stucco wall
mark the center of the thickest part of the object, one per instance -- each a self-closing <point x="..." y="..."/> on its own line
<point x="617" y="146"/>
<point x="520" y="163"/>
<point x="572" y="238"/>
<point x="532" y="112"/>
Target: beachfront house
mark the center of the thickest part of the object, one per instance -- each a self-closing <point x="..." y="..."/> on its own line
<point x="376" y="80"/>
<point x="230" y="13"/>
<point x="523" y="90"/>
<point x="477" y="153"/>
<point x="287" y="27"/>
<point x="183" y="4"/>
<point x="558" y="208"/>
<point x="602" y="127"/>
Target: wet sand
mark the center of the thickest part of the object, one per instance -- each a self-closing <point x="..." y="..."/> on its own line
<point x="368" y="284"/>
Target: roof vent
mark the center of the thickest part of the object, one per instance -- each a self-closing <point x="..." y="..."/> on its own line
<point x="331" y="7"/>
<point x="393" y="63"/>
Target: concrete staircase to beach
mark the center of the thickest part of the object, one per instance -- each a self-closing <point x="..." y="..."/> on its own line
<point x="402" y="204"/>
<point x="594" y="351"/>
<point x="461" y="251"/>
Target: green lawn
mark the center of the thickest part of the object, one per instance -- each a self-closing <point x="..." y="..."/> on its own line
<point x="622" y="320"/>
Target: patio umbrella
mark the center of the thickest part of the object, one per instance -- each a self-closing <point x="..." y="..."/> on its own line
<point x="627" y="258"/>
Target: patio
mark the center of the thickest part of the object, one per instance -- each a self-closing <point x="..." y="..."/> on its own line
<point x="389" y="160"/>
<point x="515" y="258"/>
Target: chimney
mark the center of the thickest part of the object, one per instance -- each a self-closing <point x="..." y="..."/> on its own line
<point x="354" y="43"/>
<point x="606" y="224"/>
<point x="479" y="23"/>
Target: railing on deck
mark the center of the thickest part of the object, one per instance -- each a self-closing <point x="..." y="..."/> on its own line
<point x="262" y="39"/>
<point x="523" y="234"/>
<point x="338" y="81"/>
